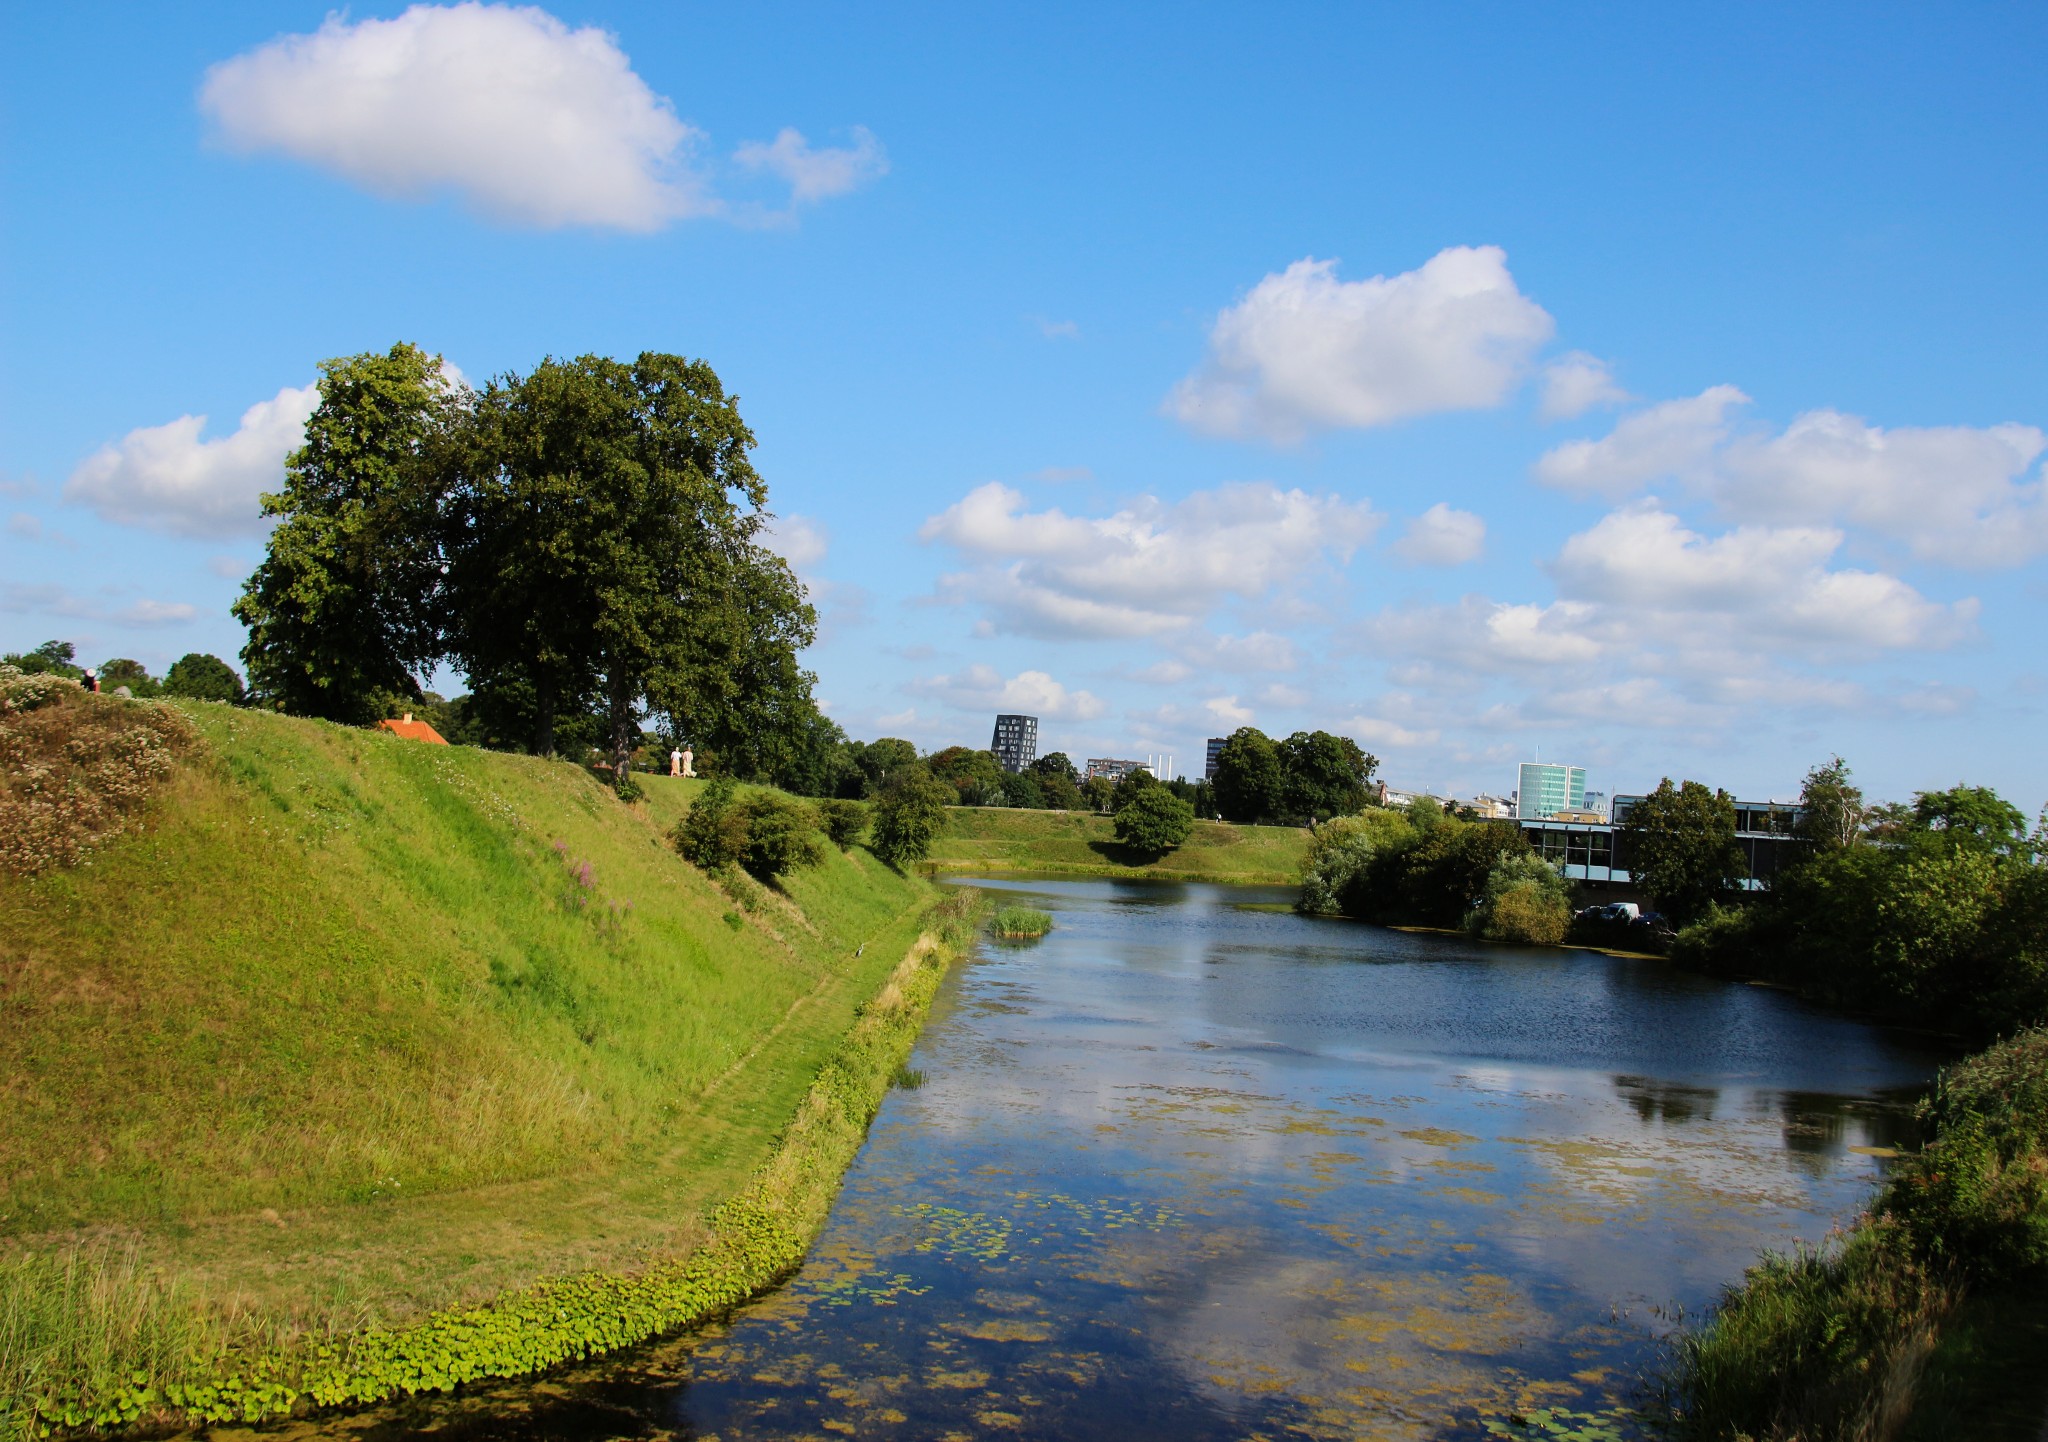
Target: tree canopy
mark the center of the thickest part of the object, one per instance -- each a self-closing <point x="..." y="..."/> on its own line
<point x="1681" y="847"/>
<point x="1311" y="776"/>
<point x="582" y="541"/>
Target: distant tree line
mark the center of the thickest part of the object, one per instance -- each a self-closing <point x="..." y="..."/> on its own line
<point x="1309" y="777"/>
<point x="582" y="542"/>
<point x="1419" y="865"/>
<point x="195" y="676"/>
<point x="1933" y="911"/>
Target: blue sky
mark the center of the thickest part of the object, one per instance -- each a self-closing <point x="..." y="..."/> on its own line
<point x="1660" y="389"/>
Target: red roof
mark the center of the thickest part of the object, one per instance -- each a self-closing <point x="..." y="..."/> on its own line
<point x="413" y="730"/>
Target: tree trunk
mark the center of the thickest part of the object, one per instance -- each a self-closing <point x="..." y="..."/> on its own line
<point x="544" y="740"/>
<point x="624" y="730"/>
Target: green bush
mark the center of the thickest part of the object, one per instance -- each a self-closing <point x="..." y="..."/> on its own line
<point x="781" y="835"/>
<point x="909" y="815"/>
<point x="844" y="821"/>
<point x="1152" y="821"/>
<point x="1526" y="901"/>
<point x="714" y="833"/>
<point x="1829" y="1343"/>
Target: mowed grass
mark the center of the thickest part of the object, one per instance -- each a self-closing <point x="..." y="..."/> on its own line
<point x="994" y="840"/>
<point x="356" y="1028"/>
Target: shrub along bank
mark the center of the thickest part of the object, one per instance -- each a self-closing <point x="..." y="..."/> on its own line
<point x="359" y="1065"/>
<point x="1419" y="866"/>
<point x="1906" y="1326"/>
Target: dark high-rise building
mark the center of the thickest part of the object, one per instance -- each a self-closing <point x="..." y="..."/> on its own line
<point x="1016" y="743"/>
<point x="1215" y="747"/>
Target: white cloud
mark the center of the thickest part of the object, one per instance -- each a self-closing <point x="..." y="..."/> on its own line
<point x="531" y="122"/>
<point x="1769" y="584"/>
<point x="24" y="526"/>
<point x="1377" y="731"/>
<point x="1304" y="350"/>
<point x="816" y="173"/>
<point x="50" y="600"/>
<point x="1576" y="382"/>
<point x="1948" y="493"/>
<point x="1056" y="329"/>
<point x="1227" y="711"/>
<point x="1673" y="438"/>
<point x="1034" y="693"/>
<point x="1441" y="536"/>
<point x="229" y="568"/>
<point x="1163" y="673"/>
<point x="1958" y="495"/>
<point x="165" y="478"/>
<point x="1150" y="569"/>
<point x="799" y="540"/>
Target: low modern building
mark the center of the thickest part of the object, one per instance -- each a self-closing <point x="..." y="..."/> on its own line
<point x="1016" y="742"/>
<point x="1491" y="808"/>
<point x="1215" y="750"/>
<point x="1594" y="852"/>
<point x="1112" y="770"/>
<point x="1547" y="788"/>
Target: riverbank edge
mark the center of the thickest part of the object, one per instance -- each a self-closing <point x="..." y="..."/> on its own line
<point x="1877" y="1332"/>
<point x="757" y="1238"/>
<point x="1073" y="871"/>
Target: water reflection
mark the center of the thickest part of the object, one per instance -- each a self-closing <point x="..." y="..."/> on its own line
<point x="1190" y="1170"/>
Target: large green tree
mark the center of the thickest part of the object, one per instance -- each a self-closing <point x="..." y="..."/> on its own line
<point x="1681" y="847"/>
<point x="203" y="678"/>
<point x="604" y="545"/>
<point x="1250" y="781"/>
<point x="347" y="604"/>
<point x="1326" y="775"/>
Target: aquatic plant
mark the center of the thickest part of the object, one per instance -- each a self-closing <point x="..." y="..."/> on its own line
<point x="1019" y="923"/>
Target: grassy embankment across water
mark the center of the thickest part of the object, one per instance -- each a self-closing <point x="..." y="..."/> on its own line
<point x="998" y="840"/>
<point x="363" y="1066"/>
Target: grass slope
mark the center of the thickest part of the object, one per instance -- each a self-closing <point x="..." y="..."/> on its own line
<point x="991" y="840"/>
<point x="356" y="1029"/>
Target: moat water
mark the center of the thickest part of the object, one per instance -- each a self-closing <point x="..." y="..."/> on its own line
<point x="1194" y="1167"/>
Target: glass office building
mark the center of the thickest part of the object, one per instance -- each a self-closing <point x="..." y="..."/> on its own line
<point x="1548" y="788"/>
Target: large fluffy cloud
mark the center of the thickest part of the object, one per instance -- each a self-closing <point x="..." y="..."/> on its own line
<point x="1960" y="495"/>
<point x="530" y="121"/>
<point x="1148" y="570"/>
<point x="1956" y="494"/>
<point x="1305" y="350"/>
<point x="1772" y="585"/>
<point x="1035" y="693"/>
<point x="166" y="478"/>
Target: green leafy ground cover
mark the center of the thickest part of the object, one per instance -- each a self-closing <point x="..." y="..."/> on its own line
<point x="357" y="1035"/>
<point x="998" y="840"/>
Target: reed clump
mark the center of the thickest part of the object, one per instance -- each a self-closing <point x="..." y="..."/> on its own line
<point x="1019" y="923"/>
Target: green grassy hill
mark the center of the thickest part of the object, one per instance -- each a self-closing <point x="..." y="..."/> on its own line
<point x="996" y="840"/>
<point x="351" y="1029"/>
